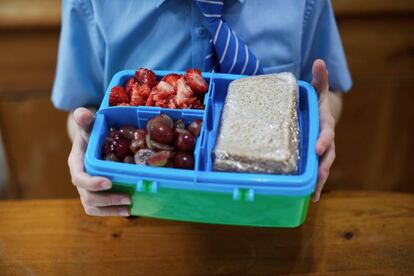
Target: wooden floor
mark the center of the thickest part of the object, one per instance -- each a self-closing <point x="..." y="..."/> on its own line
<point x="347" y="233"/>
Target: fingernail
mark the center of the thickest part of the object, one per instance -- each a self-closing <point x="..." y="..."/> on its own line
<point x="125" y="213"/>
<point x="106" y="184"/>
<point x="125" y="201"/>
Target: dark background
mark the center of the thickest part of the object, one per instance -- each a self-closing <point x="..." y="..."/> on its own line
<point x="375" y="136"/>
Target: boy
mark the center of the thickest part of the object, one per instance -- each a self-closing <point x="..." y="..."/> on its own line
<point x="99" y="38"/>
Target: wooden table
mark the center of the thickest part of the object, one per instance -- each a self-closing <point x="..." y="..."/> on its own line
<point x="346" y="233"/>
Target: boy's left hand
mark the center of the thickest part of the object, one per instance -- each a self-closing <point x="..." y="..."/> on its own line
<point x="325" y="146"/>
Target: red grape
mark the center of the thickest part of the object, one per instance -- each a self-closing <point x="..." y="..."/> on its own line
<point x="164" y="119"/>
<point x="183" y="160"/>
<point x="111" y="157"/>
<point x="115" y="134"/>
<point x="195" y="127"/>
<point x="128" y="132"/>
<point x="137" y="144"/>
<point x="185" y="142"/>
<point x="142" y="156"/>
<point x="129" y="159"/>
<point x="162" y="133"/>
<point x="179" y="124"/>
<point x="157" y="146"/>
<point x="139" y="133"/>
<point x="120" y="146"/>
<point x="159" y="159"/>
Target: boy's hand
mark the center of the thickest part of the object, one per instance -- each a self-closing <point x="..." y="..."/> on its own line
<point x="94" y="201"/>
<point x="325" y="146"/>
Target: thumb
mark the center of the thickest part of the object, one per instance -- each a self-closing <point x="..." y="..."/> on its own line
<point x="320" y="76"/>
<point x="83" y="118"/>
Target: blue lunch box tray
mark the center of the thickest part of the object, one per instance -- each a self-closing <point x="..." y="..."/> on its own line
<point x="202" y="194"/>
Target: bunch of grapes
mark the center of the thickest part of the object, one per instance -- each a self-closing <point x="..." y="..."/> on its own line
<point x="164" y="143"/>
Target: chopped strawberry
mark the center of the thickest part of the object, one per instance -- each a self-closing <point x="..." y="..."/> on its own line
<point x="124" y="104"/>
<point x="129" y="85"/>
<point x="195" y="81"/>
<point x="151" y="100"/>
<point x="142" y="90"/>
<point x="171" y="79"/>
<point x="146" y="76"/>
<point x="171" y="102"/>
<point x="162" y="95"/>
<point x="197" y="104"/>
<point x="164" y="86"/>
<point x="184" y="93"/>
<point x="117" y="96"/>
<point x="136" y="97"/>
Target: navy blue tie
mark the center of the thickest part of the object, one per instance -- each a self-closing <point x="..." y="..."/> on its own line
<point x="231" y="52"/>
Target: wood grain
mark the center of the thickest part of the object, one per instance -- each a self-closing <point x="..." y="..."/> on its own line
<point x="27" y="63"/>
<point x="347" y="233"/>
<point x="34" y="134"/>
<point x="372" y="7"/>
<point x="375" y="136"/>
<point x="37" y="14"/>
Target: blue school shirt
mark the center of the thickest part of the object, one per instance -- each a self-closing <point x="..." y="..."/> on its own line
<point x="100" y="37"/>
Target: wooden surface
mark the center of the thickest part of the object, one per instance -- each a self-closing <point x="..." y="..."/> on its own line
<point x="347" y="233"/>
<point x="37" y="14"/>
<point x="375" y="137"/>
<point x="37" y="148"/>
<point x="33" y="131"/>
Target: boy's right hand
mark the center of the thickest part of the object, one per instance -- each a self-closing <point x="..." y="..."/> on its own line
<point x="90" y="188"/>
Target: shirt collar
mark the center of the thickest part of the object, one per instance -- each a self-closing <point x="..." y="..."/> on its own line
<point x="160" y="2"/>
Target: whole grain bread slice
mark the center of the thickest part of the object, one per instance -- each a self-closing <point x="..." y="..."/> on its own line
<point x="259" y="130"/>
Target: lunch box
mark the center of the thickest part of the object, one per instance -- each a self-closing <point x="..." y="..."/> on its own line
<point x="204" y="195"/>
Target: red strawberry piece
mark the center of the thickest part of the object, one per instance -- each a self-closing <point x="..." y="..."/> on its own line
<point x="165" y="86"/>
<point x="172" y="103"/>
<point x="144" y="90"/>
<point x="151" y="98"/>
<point x="118" y="96"/>
<point x="129" y="85"/>
<point x="139" y="94"/>
<point x="137" y="100"/>
<point x="124" y="104"/>
<point x="197" y="104"/>
<point x="146" y="76"/>
<point x="162" y="95"/>
<point x="184" y="93"/>
<point x="171" y="79"/>
<point x="195" y="81"/>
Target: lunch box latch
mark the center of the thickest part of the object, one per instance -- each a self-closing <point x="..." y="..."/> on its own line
<point x="243" y="194"/>
<point x="147" y="186"/>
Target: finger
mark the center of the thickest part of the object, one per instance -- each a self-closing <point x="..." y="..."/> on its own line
<point x="84" y="118"/>
<point x="113" y="211"/>
<point x="99" y="199"/>
<point x="77" y="171"/>
<point x="320" y="77"/>
<point x="326" y="137"/>
<point x="323" y="171"/>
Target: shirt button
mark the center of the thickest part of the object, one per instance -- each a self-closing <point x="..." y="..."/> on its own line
<point x="202" y="32"/>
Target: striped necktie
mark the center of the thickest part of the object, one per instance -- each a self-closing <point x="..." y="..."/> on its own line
<point x="232" y="53"/>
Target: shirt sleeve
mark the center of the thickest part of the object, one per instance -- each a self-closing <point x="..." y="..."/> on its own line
<point x="321" y="39"/>
<point x="79" y="73"/>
